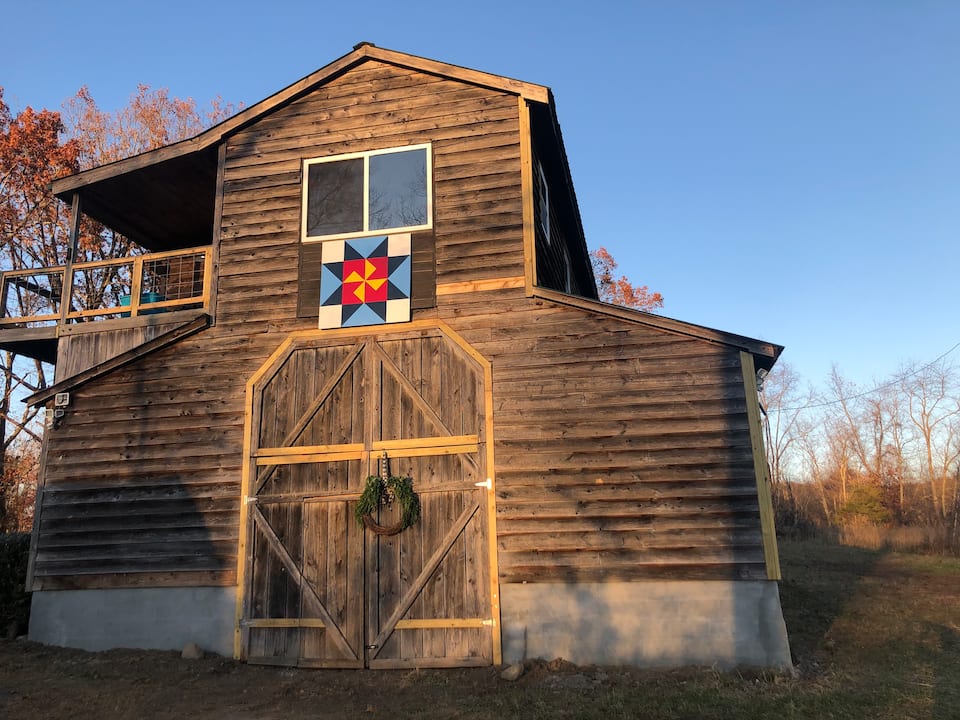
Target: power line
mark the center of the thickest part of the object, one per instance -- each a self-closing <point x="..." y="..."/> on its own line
<point x="874" y="389"/>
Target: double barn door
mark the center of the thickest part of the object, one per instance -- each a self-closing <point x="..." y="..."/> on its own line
<point x="321" y="590"/>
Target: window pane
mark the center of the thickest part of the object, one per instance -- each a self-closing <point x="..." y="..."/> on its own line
<point x="335" y="197"/>
<point x="398" y="189"/>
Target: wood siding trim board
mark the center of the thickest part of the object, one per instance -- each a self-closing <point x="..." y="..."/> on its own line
<point x="472" y="286"/>
<point x="526" y="194"/>
<point x="761" y="468"/>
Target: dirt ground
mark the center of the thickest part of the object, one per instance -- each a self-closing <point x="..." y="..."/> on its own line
<point x="39" y="682"/>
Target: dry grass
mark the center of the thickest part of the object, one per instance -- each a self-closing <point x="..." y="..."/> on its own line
<point x="907" y="539"/>
<point x="875" y="635"/>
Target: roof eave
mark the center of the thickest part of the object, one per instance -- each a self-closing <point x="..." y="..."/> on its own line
<point x="65" y="187"/>
<point x="765" y="353"/>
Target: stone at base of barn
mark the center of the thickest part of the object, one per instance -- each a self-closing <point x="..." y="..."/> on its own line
<point x="145" y="618"/>
<point x="646" y="624"/>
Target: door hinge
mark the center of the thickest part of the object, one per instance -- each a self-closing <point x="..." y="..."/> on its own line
<point x="488" y="484"/>
<point x="488" y="623"/>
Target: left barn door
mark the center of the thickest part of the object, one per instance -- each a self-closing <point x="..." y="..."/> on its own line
<point x="304" y="603"/>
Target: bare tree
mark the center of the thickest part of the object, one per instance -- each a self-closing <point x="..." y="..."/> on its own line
<point x="932" y="398"/>
<point x="783" y="404"/>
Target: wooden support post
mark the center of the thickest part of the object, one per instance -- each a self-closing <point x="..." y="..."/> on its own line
<point x="211" y="269"/>
<point x="4" y="295"/>
<point x="66" y="295"/>
<point x="136" y="285"/>
<point x="526" y="194"/>
<point x="761" y="470"/>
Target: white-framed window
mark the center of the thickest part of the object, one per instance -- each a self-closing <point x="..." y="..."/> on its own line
<point x="364" y="193"/>
<point x="543" y="203"/>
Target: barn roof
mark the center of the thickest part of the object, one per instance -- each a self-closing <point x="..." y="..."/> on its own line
<point x="122" y="194"/>
<point x="764" y="353"/>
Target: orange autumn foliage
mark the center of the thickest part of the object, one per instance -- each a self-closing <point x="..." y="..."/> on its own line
<point x="619" y="290"/>
<point x="37" y="147"/>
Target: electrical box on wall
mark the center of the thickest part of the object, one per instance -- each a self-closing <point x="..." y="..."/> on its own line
<point x="61" y="400"/>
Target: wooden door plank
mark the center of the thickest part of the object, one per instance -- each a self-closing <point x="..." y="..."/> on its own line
<point x="429" y="567"/>
<point x="312" y="450"/>
<point x="389" y="591"/>
<point x="436" y="518"/>
<point x="411" y="563"/>
<point x="428" y="412"/>
<point x="417" y="451"/>
<point x="336" y="583"/>
<point x="329" y="386"/>
<point x="315" y="531"/>
<point x="294" y="572"/>
<point x="312" y="410"/>
<point x="421" y="623"/>
<point x="398" y="375"/>
<point x="283" y="622"/>
<point x="426" y="443"/>
<point x="349" y="454"/>
<point x="455" y="639"/>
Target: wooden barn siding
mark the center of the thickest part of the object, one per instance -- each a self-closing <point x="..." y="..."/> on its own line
<point x="82" y="350"/>
<point x="151" y="486"/>
<point x="143" y="478"/>
<point x="476" y="161"/>
<point x="141" y="481"/>
<point x="622" y="452"/>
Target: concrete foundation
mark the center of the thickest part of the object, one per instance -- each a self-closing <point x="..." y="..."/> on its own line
<point x="647" y="624"/>
<point x="146" y="618"/>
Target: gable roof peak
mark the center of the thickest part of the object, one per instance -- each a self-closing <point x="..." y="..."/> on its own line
<point x="362" y="52"/>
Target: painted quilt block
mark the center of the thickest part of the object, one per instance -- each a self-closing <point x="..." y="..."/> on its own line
<point x="365" y="281"/>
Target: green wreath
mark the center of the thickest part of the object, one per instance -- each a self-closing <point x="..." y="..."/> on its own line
<point x="379" y="491"/>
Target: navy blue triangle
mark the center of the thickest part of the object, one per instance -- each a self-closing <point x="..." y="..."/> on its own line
<point x="335" y="267"/>
<point x="396" y="261"/>
<point x="381" y="248"/>
<point x="336" y="297"/>
<point x="348" y="311"/>
<point x="380" y="308"/>
<point x="350" y="253"/>
<point x="395" y="293"/>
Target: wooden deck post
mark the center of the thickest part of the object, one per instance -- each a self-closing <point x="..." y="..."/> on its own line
<point x="67" y="291"/>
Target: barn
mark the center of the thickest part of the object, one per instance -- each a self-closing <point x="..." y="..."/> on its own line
<point x="378" y="277"/>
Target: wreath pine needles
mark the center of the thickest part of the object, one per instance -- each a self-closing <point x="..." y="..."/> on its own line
<point x="377" y="492"/>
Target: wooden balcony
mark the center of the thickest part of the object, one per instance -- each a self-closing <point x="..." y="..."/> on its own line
<point x="39" y="305"/>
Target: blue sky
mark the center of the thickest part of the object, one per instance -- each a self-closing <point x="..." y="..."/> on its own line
<point x="789" y="171"/>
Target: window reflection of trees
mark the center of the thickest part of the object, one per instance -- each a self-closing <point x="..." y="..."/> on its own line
<point x="398" y="190"/>
<point x="335" y="197"/>
<point x="397" y="194"/>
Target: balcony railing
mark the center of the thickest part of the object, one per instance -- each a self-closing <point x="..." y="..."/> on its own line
<point x="106" y="289"/>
